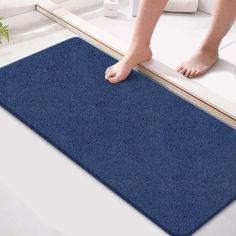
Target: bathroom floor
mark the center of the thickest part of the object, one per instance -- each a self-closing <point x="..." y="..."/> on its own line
<point x="58" y="192"/>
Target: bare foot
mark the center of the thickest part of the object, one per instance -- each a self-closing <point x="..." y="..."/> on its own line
<point x="122" y="69"/>
<point x="199" y="63"/>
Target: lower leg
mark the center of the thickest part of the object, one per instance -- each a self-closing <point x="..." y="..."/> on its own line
<point x="223" y="18"/>
<point x="148" y="14"/>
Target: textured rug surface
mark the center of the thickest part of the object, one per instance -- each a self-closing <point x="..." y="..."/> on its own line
<point x="173" y="162"/>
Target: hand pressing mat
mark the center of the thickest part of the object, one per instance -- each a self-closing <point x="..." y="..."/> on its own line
<point x="170" y="160"/>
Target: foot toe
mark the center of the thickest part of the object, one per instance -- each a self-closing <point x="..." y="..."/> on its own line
<point x="183" y="71"/>
<point x="187" y="74"/>
<point x="115" y="79"/>
<point x="108" y="69"/>
<point x="197" y="73"/>
<point x="179" y="68"/>
<point x="110" y="74"/>
<point x="192" y="74"/>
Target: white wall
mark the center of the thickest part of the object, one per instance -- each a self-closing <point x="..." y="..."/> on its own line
<point x="14" y="7"/>
<point x="10" y="8"/>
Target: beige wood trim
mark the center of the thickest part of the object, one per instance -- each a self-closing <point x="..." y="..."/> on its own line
<point x="60" y="15"/>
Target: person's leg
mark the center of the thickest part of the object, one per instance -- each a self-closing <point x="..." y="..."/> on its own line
<point x="148" y="14"/>
<point x="207" y="55"/>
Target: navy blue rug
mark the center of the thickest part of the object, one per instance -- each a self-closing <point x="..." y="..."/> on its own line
<point x="170" y="160"/>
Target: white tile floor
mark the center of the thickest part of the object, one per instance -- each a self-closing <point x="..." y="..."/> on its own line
<point x="17" y="220"/>
<point x="56" y="190"/>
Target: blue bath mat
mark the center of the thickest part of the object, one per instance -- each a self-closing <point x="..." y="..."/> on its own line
<point x="170" y="160"/>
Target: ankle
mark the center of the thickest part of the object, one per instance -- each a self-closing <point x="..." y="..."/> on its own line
<point x="137" y="55"/>
<point x="138" y="45"/>
<point x="210" y="47"/>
